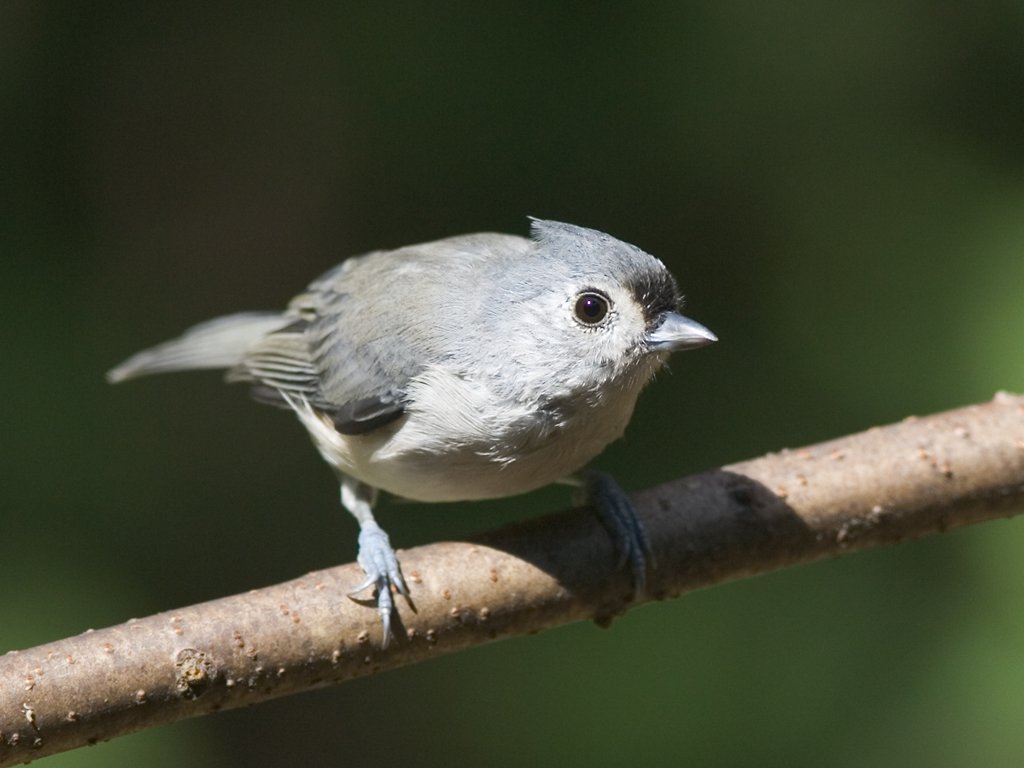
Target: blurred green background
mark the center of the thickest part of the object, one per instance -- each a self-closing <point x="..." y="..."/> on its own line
<point x="839" y="188"/>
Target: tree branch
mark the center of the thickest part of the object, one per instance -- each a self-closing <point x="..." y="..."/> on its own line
<point x="921" y="476"/>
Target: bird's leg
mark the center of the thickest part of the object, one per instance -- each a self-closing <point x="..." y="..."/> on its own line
<point x="376" y="556"/>
<point x="616" y="513"/>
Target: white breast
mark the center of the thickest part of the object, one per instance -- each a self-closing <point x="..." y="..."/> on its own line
<point x="456" y="442"/>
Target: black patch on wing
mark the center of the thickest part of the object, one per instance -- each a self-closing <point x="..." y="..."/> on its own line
<point x="261" y="393"/>
<point x="365" y="415"/>
<point x="298" y="326"/>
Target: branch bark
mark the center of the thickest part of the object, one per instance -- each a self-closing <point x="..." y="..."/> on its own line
<point x="917" y="477"/>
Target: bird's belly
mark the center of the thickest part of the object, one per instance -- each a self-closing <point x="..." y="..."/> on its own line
<point x="435" y="478"/>
<point x="454" y="444"/>
<point x="488" y="467"/>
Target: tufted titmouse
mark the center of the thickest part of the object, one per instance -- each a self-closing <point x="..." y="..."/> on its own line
<point x="474" y="367"/>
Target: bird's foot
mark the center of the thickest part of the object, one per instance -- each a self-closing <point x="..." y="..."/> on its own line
<point x="380" y="564"/>
<point x="617" y="514"/>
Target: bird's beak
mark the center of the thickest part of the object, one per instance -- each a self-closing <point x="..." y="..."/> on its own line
<point x="676" y="333"/>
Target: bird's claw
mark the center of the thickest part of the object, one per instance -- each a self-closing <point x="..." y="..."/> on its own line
<point x="378" y="561"/>
<point x="616" y="513"/>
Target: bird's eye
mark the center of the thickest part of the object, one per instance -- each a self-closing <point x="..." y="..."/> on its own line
<point x="591" y="308"/>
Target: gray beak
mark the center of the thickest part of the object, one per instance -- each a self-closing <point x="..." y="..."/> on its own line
<point x="677" y="332"/>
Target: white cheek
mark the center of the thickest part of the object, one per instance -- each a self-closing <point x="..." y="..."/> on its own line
<point x="614" y="346"/>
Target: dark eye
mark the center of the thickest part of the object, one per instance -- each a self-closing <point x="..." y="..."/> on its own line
<point x="591" y="308"/>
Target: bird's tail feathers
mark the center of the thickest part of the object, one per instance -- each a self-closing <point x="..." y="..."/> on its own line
<point x="218" y="343"/>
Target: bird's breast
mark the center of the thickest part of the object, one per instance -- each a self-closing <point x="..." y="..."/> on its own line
<point x="458" y="441"/>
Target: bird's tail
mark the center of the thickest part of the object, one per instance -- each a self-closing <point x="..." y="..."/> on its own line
<point x="218" y="343"/>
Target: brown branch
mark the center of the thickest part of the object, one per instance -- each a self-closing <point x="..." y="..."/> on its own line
<point x="921" y="476"/>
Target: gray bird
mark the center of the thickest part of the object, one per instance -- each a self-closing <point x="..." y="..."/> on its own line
<point x="474" y="367"/>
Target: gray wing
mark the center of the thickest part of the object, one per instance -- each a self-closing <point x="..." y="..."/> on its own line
<point x="357" y="338"/>
<point x="362" y="366"/>
<point x="312" y="360"/>
<point x="296" y="361"/>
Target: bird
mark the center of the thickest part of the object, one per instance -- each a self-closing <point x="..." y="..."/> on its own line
<point x="473" y="367"/>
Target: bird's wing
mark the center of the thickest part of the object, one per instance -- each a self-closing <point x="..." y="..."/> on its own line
<point x="365" y="328"/>
<point x="311" y="360"/>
